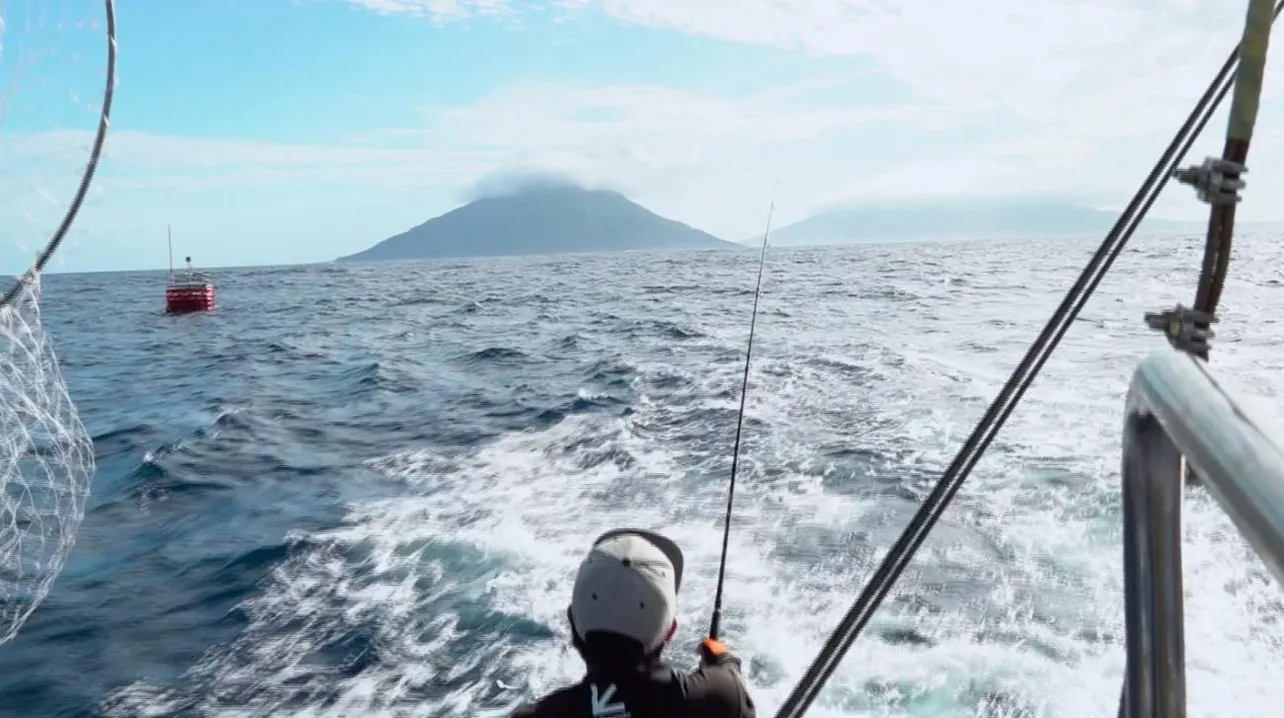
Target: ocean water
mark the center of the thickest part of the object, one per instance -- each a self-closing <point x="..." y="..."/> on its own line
<point x="363" y="490"/>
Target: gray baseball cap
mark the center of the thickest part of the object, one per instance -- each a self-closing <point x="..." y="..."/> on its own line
<point x="628" y="585"/>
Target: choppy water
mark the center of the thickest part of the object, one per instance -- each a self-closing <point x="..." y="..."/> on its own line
<point x="362" y="491"/>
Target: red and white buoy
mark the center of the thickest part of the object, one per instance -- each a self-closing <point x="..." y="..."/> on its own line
<point x="188" y="290"/>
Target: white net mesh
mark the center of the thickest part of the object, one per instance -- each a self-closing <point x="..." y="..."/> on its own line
<point x="46" y="462"/>
<point x="54" y="50"/>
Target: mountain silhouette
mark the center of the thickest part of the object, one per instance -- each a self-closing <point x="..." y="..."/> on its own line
<point x="957" y="219"/>
<point x="548" y="219"/>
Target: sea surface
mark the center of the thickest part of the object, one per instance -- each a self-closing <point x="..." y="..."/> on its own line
<point x="363" y="490"/>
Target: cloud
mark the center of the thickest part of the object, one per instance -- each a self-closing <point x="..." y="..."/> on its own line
<point x="139" y="161"/>
<point x="438" y="10"/>
<point x="1036" y="96"/>
<point x="995" y="97"/>
<point x="259" y="201"/>
<point x="873" y="100"/>
<point x="1097" y="68"/>
<point x="698" y="156"/>
<point x="509" y="181"/>
<point x="708" y="160"/>
<point x="1053" y="61"/>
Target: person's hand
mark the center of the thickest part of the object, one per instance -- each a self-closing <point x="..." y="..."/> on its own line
<point x="714" y="653"/>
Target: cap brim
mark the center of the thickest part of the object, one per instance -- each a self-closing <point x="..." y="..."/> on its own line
<point x="664" y="543"/>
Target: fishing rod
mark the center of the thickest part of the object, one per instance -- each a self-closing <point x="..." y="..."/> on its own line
<point x="740" y="423"/>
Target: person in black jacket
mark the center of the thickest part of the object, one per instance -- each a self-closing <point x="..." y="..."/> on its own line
<point x="622" y="615"/>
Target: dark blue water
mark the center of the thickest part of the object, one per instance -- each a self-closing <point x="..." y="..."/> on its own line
<point x="360" y="490"/>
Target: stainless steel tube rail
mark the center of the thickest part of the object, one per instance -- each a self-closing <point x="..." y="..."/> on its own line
<point x="1179" y="409"/>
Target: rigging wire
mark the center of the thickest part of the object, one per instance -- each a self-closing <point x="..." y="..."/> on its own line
<point x="716" y="620"/>
<point x="938" y="500"/>
<point x="95" y="153"/>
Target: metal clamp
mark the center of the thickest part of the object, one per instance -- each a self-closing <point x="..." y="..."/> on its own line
<point x="1186" y="329"/>
<point x="1217" y="181"/>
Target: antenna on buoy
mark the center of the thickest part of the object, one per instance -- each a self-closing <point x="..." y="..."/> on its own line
<point x="169" y="232"/>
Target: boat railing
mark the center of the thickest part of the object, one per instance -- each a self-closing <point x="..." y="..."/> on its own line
<point x="1179" y="410"/>
<point x="188" y="278"/>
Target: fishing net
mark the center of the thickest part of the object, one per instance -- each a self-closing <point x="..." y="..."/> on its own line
<point x="46" y="169"/>
<point x="46" y="461"/>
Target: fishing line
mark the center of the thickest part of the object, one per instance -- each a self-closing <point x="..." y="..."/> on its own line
<point x="908" y="544"/>
<point x="740" y="423"/>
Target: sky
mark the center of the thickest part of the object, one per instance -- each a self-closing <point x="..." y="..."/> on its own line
<point x="286" y="131"/>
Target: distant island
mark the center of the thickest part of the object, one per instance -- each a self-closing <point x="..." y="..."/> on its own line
<point x="896" y="221"/>
<point x="553" y="215"/>
<point x="547" y="218"/>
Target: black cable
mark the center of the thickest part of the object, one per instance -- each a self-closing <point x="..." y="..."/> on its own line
<point x="936" y="502"/>
<point x="740" y="422"/>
